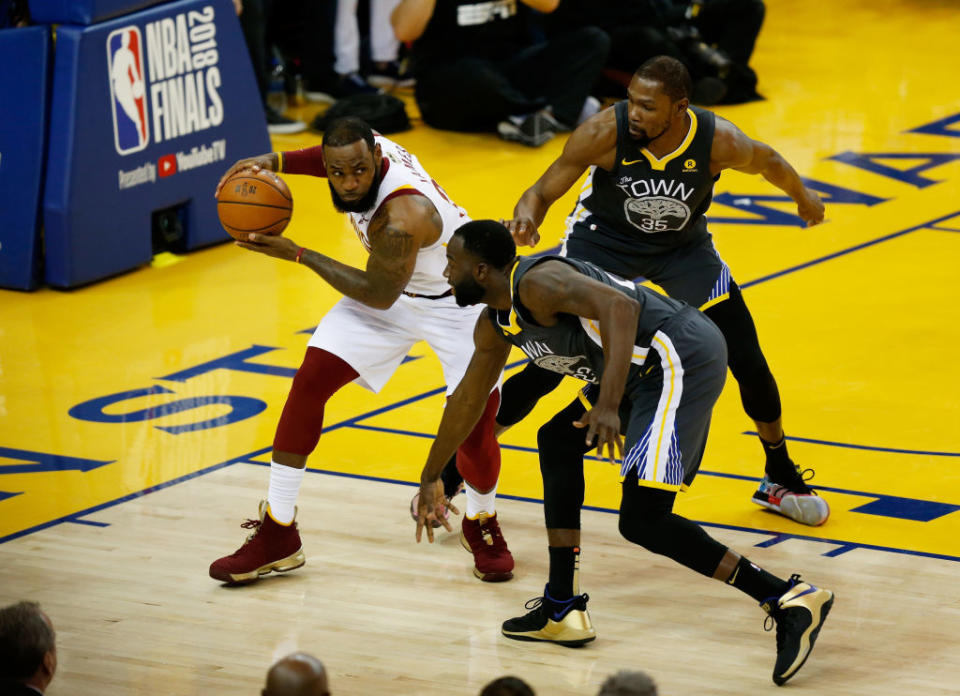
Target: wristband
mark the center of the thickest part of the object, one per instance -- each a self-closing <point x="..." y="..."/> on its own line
<point x="300" y="253"/>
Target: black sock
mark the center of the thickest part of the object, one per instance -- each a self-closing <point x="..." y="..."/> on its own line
<point x="451" y="477"/>
<point x="563" y="564"/>
<point x="779" y="463"/>
<point x="755" y="581"/>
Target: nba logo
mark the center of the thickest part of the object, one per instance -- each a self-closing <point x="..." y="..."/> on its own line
<point x="127" y="90"/>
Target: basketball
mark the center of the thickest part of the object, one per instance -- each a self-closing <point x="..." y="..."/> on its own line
<point x="254" y="202"/>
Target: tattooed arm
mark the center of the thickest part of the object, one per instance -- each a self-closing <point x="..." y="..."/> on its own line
<point x="396" y="233"/>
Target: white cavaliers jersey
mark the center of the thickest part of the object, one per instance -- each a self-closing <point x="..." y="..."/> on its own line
<point x="403" y="175"/>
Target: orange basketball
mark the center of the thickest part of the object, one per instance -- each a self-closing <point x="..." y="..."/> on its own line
<point x="254" y="202"/>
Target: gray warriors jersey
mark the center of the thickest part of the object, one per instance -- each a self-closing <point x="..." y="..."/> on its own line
<point x="656" y="203"/>
<point x="572" y="346"/>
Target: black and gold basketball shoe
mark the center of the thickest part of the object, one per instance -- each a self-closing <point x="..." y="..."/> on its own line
<point x="563" y="622"/>
<point x="799" y="613"/>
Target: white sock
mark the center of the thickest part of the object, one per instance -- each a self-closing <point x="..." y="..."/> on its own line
<point x="282" y="494"/>
<point x="480" y="502"/>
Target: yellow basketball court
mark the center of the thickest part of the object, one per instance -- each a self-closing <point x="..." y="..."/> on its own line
<point x="137" y="414"/>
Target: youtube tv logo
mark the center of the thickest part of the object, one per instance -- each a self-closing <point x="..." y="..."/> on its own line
<point x="167" y="165"/>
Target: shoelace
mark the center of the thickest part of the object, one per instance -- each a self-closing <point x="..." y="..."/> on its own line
<point x="533" y="604"/>
<point x="798" y="484"/>
<point x="252" y="524"/>
<point x="491" y="530"/>
<point x="537" y="602"/>
<point x="777" y="615"/>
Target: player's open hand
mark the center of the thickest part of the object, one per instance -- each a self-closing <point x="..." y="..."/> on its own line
<point x="810" y="208"/>
<point x="271" y="245"/>
<point x="523" y="230"/>
<point x="430" y="509"/>
<point x="254" y="164"/>
<point x="603" y="424"/>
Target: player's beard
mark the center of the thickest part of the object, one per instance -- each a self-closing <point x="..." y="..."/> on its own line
<point x="468" y="292"/>
<point x="362" y="204"/>
<point x="644" y="140"/>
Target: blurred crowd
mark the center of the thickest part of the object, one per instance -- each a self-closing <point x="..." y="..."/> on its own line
<point x="525" y="69"/>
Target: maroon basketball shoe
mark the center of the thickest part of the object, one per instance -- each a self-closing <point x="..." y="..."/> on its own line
<point x="482" y="537"/>
<point x="271" y="547"/>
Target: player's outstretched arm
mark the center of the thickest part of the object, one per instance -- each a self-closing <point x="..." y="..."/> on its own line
<point x="732" y="149"/>
<point x="269" y="161"/>
<point x="553" y="288"/>
<point x="396" y="233"/>
<point x="464" y="408"/>
<point x="588" y="144"/>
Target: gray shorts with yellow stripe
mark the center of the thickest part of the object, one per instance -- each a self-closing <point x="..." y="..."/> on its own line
<point x="694" y="273"/>
<point x="666" y="413"/>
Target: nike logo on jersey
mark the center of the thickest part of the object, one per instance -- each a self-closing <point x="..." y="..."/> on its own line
<point x="627" y="164"/>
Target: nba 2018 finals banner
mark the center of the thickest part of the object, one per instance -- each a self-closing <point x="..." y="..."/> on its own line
<point x="155" y="117"/>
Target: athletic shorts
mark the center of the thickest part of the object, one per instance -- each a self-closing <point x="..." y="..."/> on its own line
<point x="666" y="415"/>
<point x="374" y="342"/>
<point x="694" y="273"/>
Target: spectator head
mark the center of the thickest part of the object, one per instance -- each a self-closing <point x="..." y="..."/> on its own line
<point x="298" y="674"/>
<point x="507" y="686"/>
<point x="625" y="683"/>
<point x="659" y="95"/>
<point x="28" y="651"/>
<point x="353" y="161"/>
<point x="478" y="257"/>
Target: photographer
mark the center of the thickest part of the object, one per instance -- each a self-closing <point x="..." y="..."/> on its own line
<point x="478" y="67"/>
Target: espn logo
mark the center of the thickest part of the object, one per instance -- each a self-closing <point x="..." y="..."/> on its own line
<point x="131" y="131"/>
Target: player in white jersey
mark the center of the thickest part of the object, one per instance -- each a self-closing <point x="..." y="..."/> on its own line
<point x="404" y="219"/>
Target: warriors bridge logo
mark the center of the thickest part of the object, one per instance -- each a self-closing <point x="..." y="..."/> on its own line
<point x="656" y="213"/>
<point x="656" y="205"/>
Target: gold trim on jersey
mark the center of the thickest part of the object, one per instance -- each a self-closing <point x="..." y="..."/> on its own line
<point x="514" y="325"/>
<point x="657" y="484"/>
<point x="714" y="301"/>
<point x="584" y="400"/>
<point x="660" y="163"/>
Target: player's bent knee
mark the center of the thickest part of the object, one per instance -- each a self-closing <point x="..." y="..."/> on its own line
<point x="644" y="512"/>
<point x="522" y="391"/>
<point x="322" y="373"/>
<point x="643" y="531"/>
<point x="559" y="431"/>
